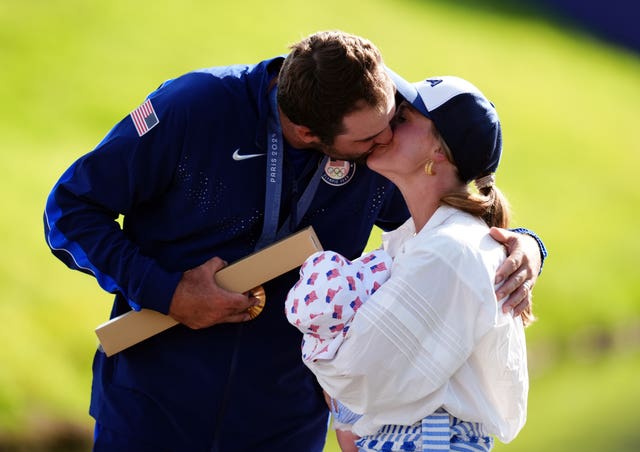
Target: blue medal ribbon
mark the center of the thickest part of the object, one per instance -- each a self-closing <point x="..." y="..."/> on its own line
<point x="274" y="175"/>
<point x="304" y="202"/>
<point x="275" y="158"/>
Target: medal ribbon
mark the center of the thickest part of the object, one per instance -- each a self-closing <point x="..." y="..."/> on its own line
<point x="304" y="202"/>
<point x="273" y="191"/>
<point x="274" y="175"/>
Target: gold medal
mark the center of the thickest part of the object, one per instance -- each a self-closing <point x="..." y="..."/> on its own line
<point x="259" y="293"/>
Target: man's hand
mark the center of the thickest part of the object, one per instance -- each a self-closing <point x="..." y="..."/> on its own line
<point x="199" y="302"/>
<point x="519" y="271"/>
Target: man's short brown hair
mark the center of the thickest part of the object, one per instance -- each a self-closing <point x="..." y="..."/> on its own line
<point x="327" y="75"/>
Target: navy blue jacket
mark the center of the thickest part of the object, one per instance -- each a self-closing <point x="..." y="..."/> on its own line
<point x="183" y="200"/>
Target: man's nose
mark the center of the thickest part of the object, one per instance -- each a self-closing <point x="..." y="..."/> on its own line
<point x="385" y="137"/>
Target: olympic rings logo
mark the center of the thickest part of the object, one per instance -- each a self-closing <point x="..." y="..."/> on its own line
<point x="336" y="173"/>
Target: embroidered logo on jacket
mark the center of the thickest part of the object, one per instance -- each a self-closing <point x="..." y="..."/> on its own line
<point x="338" y="172"/>
<point x="144" y="118"/>
<point x="238" y="157"/>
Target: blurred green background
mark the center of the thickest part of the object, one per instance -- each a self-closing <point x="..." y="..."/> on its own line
<point x="570" y="106"/>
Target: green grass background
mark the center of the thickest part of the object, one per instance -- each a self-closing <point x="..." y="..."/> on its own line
<point x="570" y="106"/>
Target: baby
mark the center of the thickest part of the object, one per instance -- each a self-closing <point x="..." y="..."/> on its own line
<point x="330" y="290"/>
<point x="322" y="305"/>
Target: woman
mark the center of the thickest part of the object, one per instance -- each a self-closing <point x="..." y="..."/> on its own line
<point x="431" y="361"/>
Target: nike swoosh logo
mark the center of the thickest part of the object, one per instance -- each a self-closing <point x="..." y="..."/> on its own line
<point x="237" y="156"/>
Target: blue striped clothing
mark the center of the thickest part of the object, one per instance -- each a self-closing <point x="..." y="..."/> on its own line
<point x="437" y="432"/>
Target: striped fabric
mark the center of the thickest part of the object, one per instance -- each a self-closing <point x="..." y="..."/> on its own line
<point x="435" y="433"/>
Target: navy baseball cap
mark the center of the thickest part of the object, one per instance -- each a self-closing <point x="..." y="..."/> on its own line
<point x="465" y="119"/>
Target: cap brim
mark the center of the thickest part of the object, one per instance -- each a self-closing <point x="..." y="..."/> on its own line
<point x="408" y="91"/>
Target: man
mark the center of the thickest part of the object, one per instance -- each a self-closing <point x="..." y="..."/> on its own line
<point x="209" y="169"/>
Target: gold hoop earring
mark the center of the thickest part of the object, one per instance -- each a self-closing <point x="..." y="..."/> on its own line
<point x="428" y="168"/>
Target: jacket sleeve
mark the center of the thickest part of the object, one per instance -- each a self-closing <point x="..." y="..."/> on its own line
<point x="543" y="249"/>
<point x="124" y="171"/>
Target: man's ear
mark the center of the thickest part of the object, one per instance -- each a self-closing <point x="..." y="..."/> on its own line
<point x="304" y="134"/>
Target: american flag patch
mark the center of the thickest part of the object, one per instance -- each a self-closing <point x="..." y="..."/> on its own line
<point x="144" y="118"/>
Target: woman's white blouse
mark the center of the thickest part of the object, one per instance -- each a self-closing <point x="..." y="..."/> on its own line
<point x="434" y="335"/>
